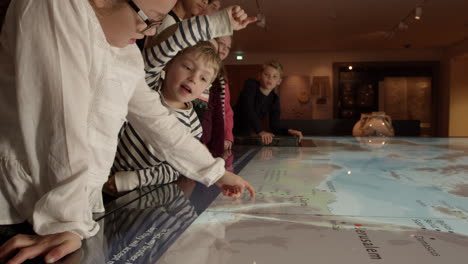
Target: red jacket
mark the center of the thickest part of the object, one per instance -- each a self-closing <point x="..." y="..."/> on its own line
<point x="228" y="115"/>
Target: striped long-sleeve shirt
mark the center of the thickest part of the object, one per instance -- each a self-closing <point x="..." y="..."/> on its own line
<point x="190" y="32"/>
<point x="137" y="163"/>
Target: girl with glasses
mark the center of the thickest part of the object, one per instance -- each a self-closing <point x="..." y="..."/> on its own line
<point x="70" y="77"/>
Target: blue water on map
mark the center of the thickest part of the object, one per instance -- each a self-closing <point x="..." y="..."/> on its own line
<point x="399" y="182"/>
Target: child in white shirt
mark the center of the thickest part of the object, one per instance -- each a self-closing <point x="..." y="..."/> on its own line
<point x="69" y="80"/>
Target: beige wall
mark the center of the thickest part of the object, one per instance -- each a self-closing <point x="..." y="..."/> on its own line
<point x="321" y="64"/>
<point x="458" y="110"/>
<point x="454" y="74"/>
<point x="455" y="64"/>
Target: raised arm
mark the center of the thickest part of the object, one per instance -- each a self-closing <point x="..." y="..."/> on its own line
<point x="187" y="33"/>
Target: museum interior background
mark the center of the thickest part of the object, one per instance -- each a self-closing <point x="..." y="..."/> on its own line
<point x="413" y="69"/>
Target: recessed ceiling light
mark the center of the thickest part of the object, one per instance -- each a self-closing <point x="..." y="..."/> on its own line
<point x="418" y="13"/>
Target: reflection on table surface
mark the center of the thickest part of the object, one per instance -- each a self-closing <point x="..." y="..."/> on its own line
<point x="141" y="230"/>
<point x="342" y="200"/>
<point x="140" y="225"/>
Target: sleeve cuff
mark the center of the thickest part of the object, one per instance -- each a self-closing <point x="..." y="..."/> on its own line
<point x="220" y="24"/>
<point x="217" y="171"/>
<point x="126" y="180"/>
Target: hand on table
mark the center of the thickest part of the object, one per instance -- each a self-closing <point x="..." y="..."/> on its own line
<point x="54" y="247"/>
<point x="233" y="185"/>
<point x="296" y="133"/>
<point x="267" y="137"/>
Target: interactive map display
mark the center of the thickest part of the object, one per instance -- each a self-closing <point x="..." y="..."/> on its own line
<point x="345" y="200"/>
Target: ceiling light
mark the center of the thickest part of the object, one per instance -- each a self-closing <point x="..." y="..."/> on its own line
<point x="418" y="13"/>
<point x="239" y="57"/>
<point x="350" y="67"/>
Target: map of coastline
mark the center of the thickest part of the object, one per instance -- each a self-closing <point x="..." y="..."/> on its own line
<point x="403" y="202"/>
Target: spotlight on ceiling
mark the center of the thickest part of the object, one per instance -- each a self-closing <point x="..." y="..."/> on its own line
<point x="418" y="13"/>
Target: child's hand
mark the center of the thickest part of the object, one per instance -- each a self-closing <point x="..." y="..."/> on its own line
<point x="296" y="133"/>
<point x="267" y="137"/>
<point x="227" y="145"/>
<point x="233" y="185"/>
<point x="54" y="247"/>
<point x="239" y="19"/>
<point x="226" y="154"/>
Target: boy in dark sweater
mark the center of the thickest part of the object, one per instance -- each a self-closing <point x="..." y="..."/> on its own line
<point x="257" y="101"/>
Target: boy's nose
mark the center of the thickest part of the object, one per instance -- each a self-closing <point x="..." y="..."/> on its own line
<point x="192" y="77"/>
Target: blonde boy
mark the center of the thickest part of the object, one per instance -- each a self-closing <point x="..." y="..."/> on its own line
<point x="257" y="101"/>
<point x="137" y="163"/>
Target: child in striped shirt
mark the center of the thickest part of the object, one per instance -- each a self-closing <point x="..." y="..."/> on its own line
<point x="187" y="75"/>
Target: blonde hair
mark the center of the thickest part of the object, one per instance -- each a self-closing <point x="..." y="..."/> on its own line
<point x="275" y="65"/>
<point x="207" y="52"/>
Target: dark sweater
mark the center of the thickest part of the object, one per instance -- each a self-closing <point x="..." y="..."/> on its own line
<point x="252" y="107"/>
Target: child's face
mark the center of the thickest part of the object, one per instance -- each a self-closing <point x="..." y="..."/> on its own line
<point x="187" y="76"/>
<point x="224" y="46"/>
<point x="121" y="24"/>
<point x="270" y="78"/>
<point x="195" y="7"/>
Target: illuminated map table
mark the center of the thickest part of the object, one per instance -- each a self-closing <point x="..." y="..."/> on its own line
<point x="343" y="200"/>
<point x="334" y="200"/>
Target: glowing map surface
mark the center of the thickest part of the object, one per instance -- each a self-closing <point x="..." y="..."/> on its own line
<point x="345" y="200"/>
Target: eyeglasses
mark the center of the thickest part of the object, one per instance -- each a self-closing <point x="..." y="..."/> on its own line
<point x="150" y="24"/>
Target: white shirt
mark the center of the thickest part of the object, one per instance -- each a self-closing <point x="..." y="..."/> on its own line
<point x="65" y="95"/>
